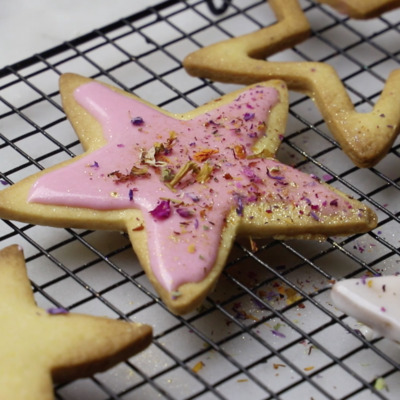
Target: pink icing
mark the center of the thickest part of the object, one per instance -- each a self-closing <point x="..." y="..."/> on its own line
<point x="182" y="246"/>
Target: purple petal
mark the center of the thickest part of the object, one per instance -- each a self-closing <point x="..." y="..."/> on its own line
<point x="247" y="171"/>
<point x="277" y="177"/>
<point x="277" y="333"/>
<point x="193" y="196"/>
<point x="57" y="311"/>
<point x="162" y="211"/>
<point x="137" y="121"/>
<point x="248" y="116"/>
<point x="239" y="203"/>
<point x="184" y="212"/>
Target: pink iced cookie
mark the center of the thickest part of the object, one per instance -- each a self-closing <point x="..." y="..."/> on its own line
<point x="182" y="186"/>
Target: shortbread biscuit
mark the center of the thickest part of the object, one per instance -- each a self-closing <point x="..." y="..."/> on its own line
<point x="182" y="186"/>
<point x="38" y="347"/>
<point x="364" y="137"/>
<point x="362" y="9"/>
<point x="291" y="28"/>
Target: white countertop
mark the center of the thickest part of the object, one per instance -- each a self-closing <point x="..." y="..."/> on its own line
<point x="33" y="26"/>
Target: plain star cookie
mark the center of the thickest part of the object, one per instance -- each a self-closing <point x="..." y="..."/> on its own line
<point x="182" y="186"/>
<point x="374" y="301"/>
<point x="364" y="137"/>
<point x="362" y="9"/>
<point x="38" y="347"/>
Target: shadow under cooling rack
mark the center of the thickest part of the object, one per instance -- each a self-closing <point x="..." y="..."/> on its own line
<point x="269" y="331"/>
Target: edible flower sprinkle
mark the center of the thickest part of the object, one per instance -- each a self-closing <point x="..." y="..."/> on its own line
<point x="185" y="212"/>
<point x="277" y="333"/>
<point x="248" y="116"/>
<point x="239" y="151"/>
<point x="277" y="177"/>
<point x="134" y="173"/>
<point x="189" y="166"/>
<point x="198" y="367"/>
<point x="162" y="210"/>
<point x="205" y="173"/>
<point x="57" y="311"/>
<point x="137" y="121"/>
<point x="204" y="155"/>
<point x="380" y="384"/>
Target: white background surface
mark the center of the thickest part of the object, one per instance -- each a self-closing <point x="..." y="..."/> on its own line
<point x="33" y="26"/>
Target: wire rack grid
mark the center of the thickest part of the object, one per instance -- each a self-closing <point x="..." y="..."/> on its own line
<point x="269" y="331"/>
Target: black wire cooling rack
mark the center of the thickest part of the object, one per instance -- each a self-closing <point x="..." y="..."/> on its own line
<point x="269" y="331"/>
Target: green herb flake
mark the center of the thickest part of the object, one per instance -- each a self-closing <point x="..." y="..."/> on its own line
<point x="380" y="384"/>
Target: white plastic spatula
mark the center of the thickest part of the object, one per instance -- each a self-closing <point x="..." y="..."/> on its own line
<point x="374" y="301"/>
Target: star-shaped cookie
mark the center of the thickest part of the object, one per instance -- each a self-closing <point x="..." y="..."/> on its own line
<point x="364" y="137"/>
<point x="182" y="186"/>
<point x="362" y="9"/>
<point x="373" y="301"/>
<point x="38" y="347"/>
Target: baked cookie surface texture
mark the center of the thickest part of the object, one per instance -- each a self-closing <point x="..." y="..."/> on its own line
<point x="364" y="137"/>
<point x="182" y="186"/>
<point x="362" y="9"/>
<point x="38" y="347"/>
